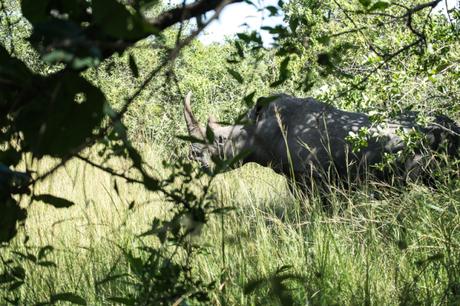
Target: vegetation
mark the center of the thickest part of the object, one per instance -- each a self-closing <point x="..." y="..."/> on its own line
<point x="100" y="205"/>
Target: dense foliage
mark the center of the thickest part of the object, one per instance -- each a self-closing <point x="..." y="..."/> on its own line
<point x="93" y="80"/>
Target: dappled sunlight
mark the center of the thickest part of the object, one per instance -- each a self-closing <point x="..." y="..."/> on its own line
<point x="317" y="163"/>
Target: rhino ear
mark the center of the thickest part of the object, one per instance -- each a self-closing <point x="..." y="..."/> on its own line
<point x="193" y="126"/>
<point x="212" y="123"/>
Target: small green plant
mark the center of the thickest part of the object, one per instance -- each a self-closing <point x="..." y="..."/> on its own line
<point x="413" y="139"/>
<point x="388" y="161"/>
<point x="358" y="140"/>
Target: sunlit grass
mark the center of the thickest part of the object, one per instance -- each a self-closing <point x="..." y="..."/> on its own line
<point x="402" y="248"/>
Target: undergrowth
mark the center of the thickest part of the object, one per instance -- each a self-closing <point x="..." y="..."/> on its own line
<point x="269" y="247"/>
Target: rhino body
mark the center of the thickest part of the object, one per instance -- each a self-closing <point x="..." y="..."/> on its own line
<point x="310" y="141"/>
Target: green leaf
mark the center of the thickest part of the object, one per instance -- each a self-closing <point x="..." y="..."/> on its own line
<point x="249" y="99"/>
<point x="57" y="56"/>
<point x="284" y="72"/>
<point x="293" y="23"/>
<point x="276" y="30"/>
<point x="309" y="81"/>
<point x="272" y="9"/>
<point x="116" y="21"/>
<point x="35" y="11"/>
<point x="253" y="285"/>
<point x="239" y="49"/>
<point x="135" y="263"/>
<point x="111" y="278"/>
<point x="380" y="6"/>
<point x="27" y="256"/>
<point x="48" y="264"/>
<point x="250" y="3"/>
<point x="53" y="200"/>
<point x="402" y="244"/>
<point x="151" y="183"/>
<point x="365" y="3"/>
<point x="324" y="59"/>
<point x="133" y="66"/>
<point x="442" y="66"/>
<point x="6" y="278"/>
<point x="324" y="39"/>
<point x="12" y="71"/>
<point x="209" y="134"/>
<point x="11" y="214"/>
<point x="10" y="157"/>
<point x="19" y="272"/>
<point x="122" y="300"/>
<point x="68" y="297"/>
<point x="15" y="285"/>
<point x="236" y="75"/>
<point x="253" y="37"/>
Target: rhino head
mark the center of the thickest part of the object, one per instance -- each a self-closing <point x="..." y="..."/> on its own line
<point x="228" y="140"/>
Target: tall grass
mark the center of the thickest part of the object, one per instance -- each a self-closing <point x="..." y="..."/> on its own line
<point x="402" y="248"/>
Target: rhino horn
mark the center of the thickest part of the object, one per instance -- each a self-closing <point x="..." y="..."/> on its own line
<point x="193" y="126"/>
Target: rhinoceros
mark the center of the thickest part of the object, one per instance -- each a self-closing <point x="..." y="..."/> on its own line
<point x="310" y="141"/>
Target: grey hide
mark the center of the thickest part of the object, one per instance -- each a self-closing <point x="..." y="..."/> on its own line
<point x="306" y="139"/>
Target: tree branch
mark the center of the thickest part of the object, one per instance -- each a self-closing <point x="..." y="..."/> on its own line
<point x="420" y="7"/>
<point x="109" y="170"/>
<point x="388" y="58"/>
<point x="186" y="12"/>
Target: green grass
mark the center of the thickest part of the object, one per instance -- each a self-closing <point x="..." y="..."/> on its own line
<point x="402" y="249"/>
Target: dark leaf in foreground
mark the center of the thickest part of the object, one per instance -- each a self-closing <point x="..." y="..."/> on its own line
<point x="11" y="215"/>
<point x="380" y="5"/>
<point x="122" y="300"/>
<point x="236" y="75"/>
<point x="68" y="297"/>
<point x="6" y="278"/>
<point x="34" y="11"/>
<point x="249" y="99"/>
<point x="365" y="3"/>
<point x="44" y="251"/>
<point x="133" y="66"/>
<point x="54" y="201"/>
<point x="284" y="72"/>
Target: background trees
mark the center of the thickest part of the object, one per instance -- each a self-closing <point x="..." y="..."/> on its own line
<point x="86" y="80"/>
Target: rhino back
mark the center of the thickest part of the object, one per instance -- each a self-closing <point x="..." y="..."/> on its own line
<point x="313" y="134"/>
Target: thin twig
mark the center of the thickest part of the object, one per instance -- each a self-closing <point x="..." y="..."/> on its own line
<point x="387" y="59"/>
<point x="108" y="170"/>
